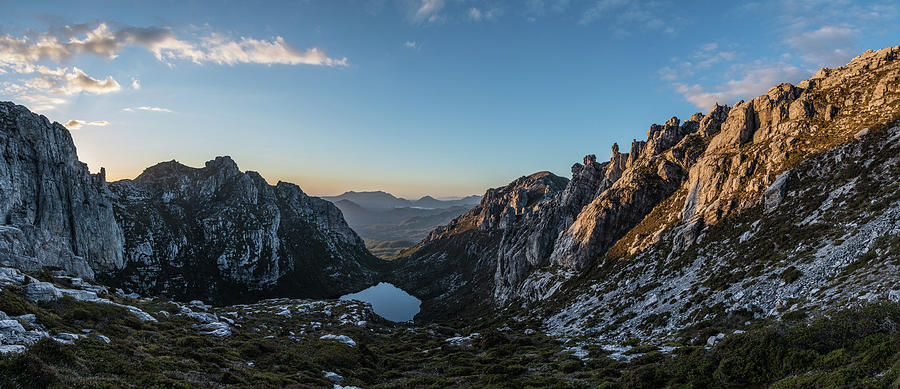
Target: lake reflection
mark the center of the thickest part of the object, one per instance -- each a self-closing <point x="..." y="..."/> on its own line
<point x="388" y="301"/>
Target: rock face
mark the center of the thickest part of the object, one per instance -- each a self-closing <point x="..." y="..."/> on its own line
<point x="53" y="212"/>
<point x="662" y="197"/>
<point x="224" y="235"/>
<point x="214" y="232"/>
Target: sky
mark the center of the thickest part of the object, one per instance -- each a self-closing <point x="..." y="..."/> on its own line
<point x="413" y="97"/>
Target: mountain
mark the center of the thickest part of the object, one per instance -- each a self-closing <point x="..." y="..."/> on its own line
<point x="53" y="211"/>
<point x="372" y="200"/>
<point x="222" y="234"/>
<point x="786" y="202"/>
<point x="382" y="200"/>
<point x="389" y="230"/>
<point x="214" y="232"/>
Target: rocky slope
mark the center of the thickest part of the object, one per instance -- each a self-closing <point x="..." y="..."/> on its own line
<point x="221" y="234"/>
<point x="591" y="245"/>
<point x="53" y="212"/>
<point x="213" y="232"/>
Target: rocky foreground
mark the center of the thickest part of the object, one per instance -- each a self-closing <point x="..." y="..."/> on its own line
<point x="58" y="331"/>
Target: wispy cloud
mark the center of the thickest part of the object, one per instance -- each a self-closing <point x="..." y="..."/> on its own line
<point x="411" y="45"/>
<point x="483" y="14"/>
<point x="815" y="33"/>
<point x="76" y="124"/>
<point x="148" y="108"/>
<point x="23" y="53"/>
<point x="755" y="80"/>
<point x="624" y="17"/>
<point x="827" y="46"/>
<point x="26" y="57"/>
<point x="427" y="11"/>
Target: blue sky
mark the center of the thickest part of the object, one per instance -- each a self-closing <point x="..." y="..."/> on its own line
<point x="414" y="97"/>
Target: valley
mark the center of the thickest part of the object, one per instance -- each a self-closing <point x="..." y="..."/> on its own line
<point x="753" y="245"/>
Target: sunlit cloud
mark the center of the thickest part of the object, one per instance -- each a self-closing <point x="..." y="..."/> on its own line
<point x="148" y="108"/>
<point x="826" y="46"/>
<point x="76" y="124"/>
<point x="135" y="84"/>
<point x="756" y="80"/>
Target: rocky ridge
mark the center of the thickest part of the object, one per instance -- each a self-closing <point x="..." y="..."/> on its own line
<point x="662" y="198"/>
<point x="53" y="212"/>
<point x="222" y="234"/>
<point x="213" y="232"/>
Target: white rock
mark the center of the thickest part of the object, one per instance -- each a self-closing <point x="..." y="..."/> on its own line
<point x="11" y="332"/>
<point x="340" y="338"/>
<point x="11" y="349"/>
<point x="333" y="376"/>
<point x="41" y="291"/>
<point x="102" y="338"/>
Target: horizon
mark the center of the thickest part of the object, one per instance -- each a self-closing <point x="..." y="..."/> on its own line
<point x="412" y="98"/>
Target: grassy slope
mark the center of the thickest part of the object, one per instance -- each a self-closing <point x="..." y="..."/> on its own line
<point x="859" y="347"/>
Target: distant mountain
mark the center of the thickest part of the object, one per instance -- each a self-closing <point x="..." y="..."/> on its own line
<point x="384" y="200"/>
<point x="388" y="230"/>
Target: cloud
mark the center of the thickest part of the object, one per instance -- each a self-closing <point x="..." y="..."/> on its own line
<point x="70" y="82"/>
<point x="40" y="102"/>
<point x="22" y="54"/>
<point x="76" y="124"/>
<point x="827" y="46"/>
<point x="221" y="50"/>
<point x="148" y="108"/>
<point x="625" y="16"/>
<point x="411" y="45"/>
<point x="27" y="57"/>
<point x="428" y="11"/>
<point x="757" y="79"/>
<point x="479" y="15"/>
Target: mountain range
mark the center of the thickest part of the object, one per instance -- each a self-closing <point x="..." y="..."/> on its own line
<point x="753" y="245"/>
<point x="389" y="224"/>
<point x="384" y="200"/>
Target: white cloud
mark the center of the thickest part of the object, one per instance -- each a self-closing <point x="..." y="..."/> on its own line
<point x="135" y="84"/>
<point x="625" y="16"/>
<point x="22" y="54"/>
<point x="479" y="15"/>
<point x="221" y="50"/>
<point x="148" y="108"/>
<point x="40" y="102"/>
<point x="428" y="11"/>
<point x="757" y="79"/>
<point x="70" y="82"/>
<point x="76" y="124"/>
<point x="411" y="44"/>
<point x="827" y="46"/>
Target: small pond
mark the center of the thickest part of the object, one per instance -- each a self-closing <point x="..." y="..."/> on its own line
<point x="388" y="301"/>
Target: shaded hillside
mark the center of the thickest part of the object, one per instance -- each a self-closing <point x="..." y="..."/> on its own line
<point x="219" y="233"/>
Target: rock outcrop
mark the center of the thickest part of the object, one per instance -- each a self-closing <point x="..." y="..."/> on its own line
<point x="53" y="212"/>
<point x="213" y="232"/>
<point x="665" y="194"/>
<point x="225" y="235"/>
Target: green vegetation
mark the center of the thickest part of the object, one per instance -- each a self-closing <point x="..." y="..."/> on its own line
<point x="850" y="348"/>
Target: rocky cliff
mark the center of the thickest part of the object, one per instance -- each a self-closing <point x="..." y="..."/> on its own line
<point x="214" y="233"/>
<point x="219" y="233"/>
<point x="53" y="212"/>
<point x="662" y="200"/>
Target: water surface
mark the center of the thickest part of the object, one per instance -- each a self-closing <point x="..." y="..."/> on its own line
<point x="388" y="301"/>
